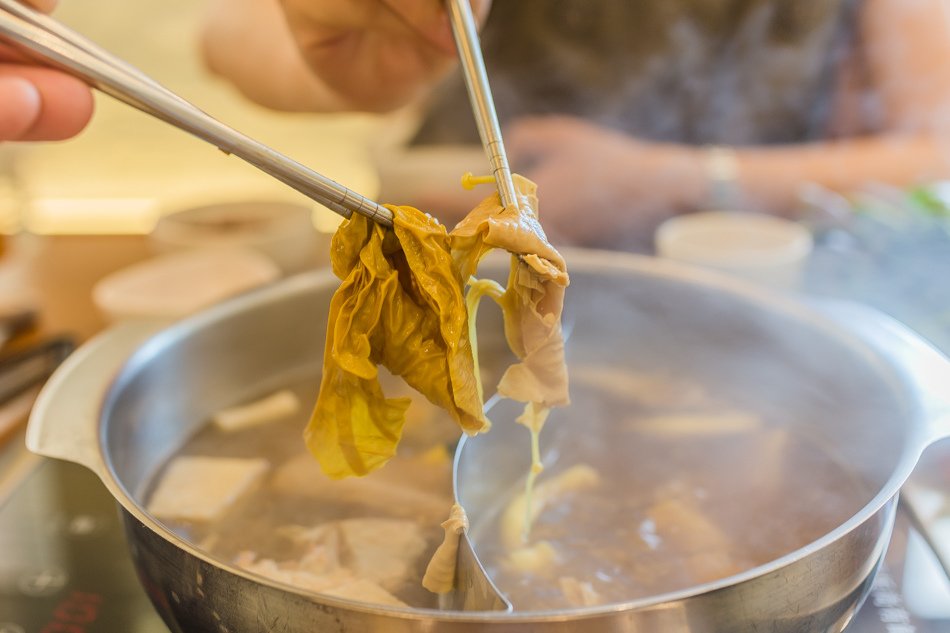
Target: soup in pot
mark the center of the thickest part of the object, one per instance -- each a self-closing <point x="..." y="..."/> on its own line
<point x="670" y="487"/>
<point x="685" y="488"/>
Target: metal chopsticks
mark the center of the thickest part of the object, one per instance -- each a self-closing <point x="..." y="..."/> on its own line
<point x="479" y="92"/>
<point x="54" y="44"/>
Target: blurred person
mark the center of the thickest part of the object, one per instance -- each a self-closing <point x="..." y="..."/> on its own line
<point x="36" y="103"/>
<point x="626" y="113"/>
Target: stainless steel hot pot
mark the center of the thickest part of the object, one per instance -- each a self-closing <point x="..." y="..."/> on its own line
<point x="883" y="395"/>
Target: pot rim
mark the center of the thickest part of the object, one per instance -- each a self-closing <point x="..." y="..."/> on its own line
<point x="579" y="258"/>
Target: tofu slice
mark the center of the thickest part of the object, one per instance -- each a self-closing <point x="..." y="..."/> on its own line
<point x="201" y="489"/>
<point x="290" y="574"/>
<point x="653" y="391"/>
<point x="274" y="407"/>
<point x="695" y="424"/>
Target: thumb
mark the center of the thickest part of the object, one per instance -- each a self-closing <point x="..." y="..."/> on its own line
<point x="20" y="106"/>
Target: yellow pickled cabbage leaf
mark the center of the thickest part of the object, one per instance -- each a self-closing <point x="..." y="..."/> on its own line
<point x="401" y="306"/>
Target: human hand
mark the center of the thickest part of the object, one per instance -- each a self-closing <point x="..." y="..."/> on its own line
<point x="599" y="187"/>
<point x="39" y="103"/>
<point x="375" y="54"/>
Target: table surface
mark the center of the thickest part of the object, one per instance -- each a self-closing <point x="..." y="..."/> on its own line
<point x="56" y="274"/>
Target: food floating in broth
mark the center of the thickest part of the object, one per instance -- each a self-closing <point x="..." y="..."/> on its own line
<point x="440" y="572"/>
<point x="362" y="559"/>
<point x="366" y="539"/>
<point x="196" y="488"/>
<point x="656" y="494"/>
<point x="278" y="405"/>
<point x="623" y="515"/>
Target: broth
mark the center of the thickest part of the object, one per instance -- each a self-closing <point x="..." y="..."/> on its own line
<point x="682" y="494"/>
<point x="274" y="522"/>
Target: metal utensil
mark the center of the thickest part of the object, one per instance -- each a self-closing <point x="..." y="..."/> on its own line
<point x="13" y="323"/>
<point x="473" y="589"/>
<point x="23" y="369"/>
<point x="54" y="44"/>
<point x="21" y="376"/>
<point x="479" y="92"/>
<point x="107" y="412"/>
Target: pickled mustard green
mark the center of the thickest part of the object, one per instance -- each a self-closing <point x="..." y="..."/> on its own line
<point x="402" y="305"/>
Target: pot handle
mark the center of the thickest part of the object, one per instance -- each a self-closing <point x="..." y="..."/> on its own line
<point x="926" y="369"/>
<point x="64" y="422"/>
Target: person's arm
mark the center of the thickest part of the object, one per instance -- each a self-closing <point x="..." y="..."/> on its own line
<point x="905" y="46"/>
<point x="599" y="187"/>
<point x="372" y="55"/>
<point x="39" y="104"/>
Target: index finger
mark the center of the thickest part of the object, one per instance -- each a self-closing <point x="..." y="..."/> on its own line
<point x="429" y="19"/>
<point x="46" y="6"/>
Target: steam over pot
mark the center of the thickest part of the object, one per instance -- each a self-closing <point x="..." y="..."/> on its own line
<point x="124" y="417"/>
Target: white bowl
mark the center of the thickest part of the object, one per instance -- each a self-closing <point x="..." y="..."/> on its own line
<point x="174" y="285"/>
<point x="283" y="231"/>
<point x="762" y="248"/>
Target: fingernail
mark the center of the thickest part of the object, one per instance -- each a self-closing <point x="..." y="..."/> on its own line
<point x="23" y="91"/>
<point x="20" y="104"/>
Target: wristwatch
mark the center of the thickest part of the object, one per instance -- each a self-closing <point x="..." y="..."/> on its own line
<point x="722" y="173"/>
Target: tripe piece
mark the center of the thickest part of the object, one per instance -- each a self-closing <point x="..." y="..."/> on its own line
<point x="440" y="573"/>
<point x="534" y="298"/>
<point x="532" y="305"/>
<point x="381" y="550"/>
<point x="323" y="547"/>
<point x="278" y="405"/>
<point x="537" y="558"/>
<point x="292" y="573"/>
<point x="704" y="547"/>
<point x="201" y="489"/>
<point x="579" y="594"/>
<point x="338" y="582"/>
<point x="364" y="590"/>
